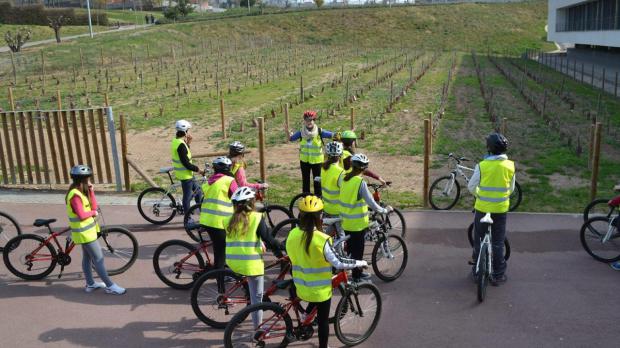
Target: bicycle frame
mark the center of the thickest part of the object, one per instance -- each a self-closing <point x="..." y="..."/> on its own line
<point x="53" y="236"/>
<point x="611" y="227"/>
<point x="486" y="243"/>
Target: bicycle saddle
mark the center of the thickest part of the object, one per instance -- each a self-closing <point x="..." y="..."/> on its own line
<point x="487" y="219"/>
<point x="166" y="169"/>
<point x="283" y="284"/>
<point x="43" y="222"/>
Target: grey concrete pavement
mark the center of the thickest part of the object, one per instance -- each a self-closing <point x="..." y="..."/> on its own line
<point x="556" y="295"/>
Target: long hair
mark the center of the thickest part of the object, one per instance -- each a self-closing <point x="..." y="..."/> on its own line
<point x="329" y="161"/>
<point x="354" y="172"/>
<point x="80" y="183"/>
<point x="309" y="222"/>
<point x="240" y="218"/>
<point x="225" y="172"/>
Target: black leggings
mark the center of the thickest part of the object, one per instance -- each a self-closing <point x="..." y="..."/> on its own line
<point x="355" y="246"/>
<point x="305" y="177"/>
<point x="218" y="237"/>
<point x="322" y="316"/>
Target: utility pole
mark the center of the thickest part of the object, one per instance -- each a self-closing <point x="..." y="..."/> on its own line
<point x="90" y="22"/>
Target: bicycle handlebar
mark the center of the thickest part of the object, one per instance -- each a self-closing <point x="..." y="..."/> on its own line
<point x="377" y="187"/>
<point x="458" y="159"/>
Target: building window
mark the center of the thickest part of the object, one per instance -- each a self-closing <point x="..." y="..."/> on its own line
<point x="590" y="16"/>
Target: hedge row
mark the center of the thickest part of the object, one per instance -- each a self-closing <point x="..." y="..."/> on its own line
<point x="38" y="14"/>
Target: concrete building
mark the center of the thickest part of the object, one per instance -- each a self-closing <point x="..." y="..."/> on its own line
<point x="585" y="23"/>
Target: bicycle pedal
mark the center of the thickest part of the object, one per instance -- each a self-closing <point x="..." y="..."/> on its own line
<point x="471" y="263"/>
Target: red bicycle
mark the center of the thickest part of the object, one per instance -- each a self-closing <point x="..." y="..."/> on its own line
<point x="179" y="264"/>
<point x="357" y="315"/>
<point x="31" y="257"/>
<point x="221" y="293"/>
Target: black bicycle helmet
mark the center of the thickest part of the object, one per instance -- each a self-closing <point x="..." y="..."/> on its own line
<point x="81" y="171"/>
<point x="236" y="148"/>
<point x="497" y="144"/>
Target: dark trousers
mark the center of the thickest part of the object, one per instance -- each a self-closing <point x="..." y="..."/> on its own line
<point x="218" y="237"/>
<point x="306" y="168"/>
<point x="322" y="315"/>
<point x="189" y="186"/>
<point x="355" y="247"/>
<point x="498" y="235"/>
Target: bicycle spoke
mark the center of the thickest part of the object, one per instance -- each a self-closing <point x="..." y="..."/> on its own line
<point x="359" y="315"/>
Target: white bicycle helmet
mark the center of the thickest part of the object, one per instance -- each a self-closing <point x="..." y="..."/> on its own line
<point x="222" y="163"/>
<point x="243" y="194"/>
<point x="334" y="149"/>
<point x="236" y="148"/>
<point x="182" y="126"/>
<point x="81" y="170"/>
<point x="359" y="160"/>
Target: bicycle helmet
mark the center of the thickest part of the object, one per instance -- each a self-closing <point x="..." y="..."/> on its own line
<point x="236" y="148"/>
<point x="497" y="144"/>
<point x="348" y="134"/>
<point x="310" y="204"/>
<point x="243" y="194"/>
<point x="80" y="171"/>
<point x="182" y="126"/>
<point x="334" y="149"/>
<point x="359" y="160"/>
<point x="222" y="164"/>
<point x="309" y="115"/>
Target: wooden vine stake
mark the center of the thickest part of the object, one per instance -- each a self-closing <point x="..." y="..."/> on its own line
<point x="261" y="148"/>
<point x="427" y="143"/>
<point x="595" y="160"/>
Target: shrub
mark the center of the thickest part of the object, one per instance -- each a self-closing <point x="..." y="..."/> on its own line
<point x="38" y="14"/>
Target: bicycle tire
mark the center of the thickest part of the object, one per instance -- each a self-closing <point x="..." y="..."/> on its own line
<point x="470" y="237"/>
<point x="270" y="310"/>
<point x="399" y="246"/>
<point x="599" y="204"/>
<point x="163" y="193"/>
<point x="281" y="230"/>
<point x="590" y="233"/>
<point x="294" y="203"/>
<point x="450" y="203"/>
<point x="483" y="274"/>
<point x="208" y="282"/>
<point x="337" y="294"/>
<point x="175" y="270"/>
<point x="272" y="219"/>
<point x="353" y="306"/>
<point x="12" y="250"/>
<point x="8" y="229"/>
<point x="120" y="244"/>
<point x="517" y="198"/>
<point x="194" y="214"/>
<point x="403" y="223"/>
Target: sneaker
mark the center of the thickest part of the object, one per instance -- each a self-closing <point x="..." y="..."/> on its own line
<point x="115" y="290"/>
<point x="258" y="334"/>
<point x="499" y="280"/>
<point x="94" y="286"/>
<point x="615" y="265"/>
<point x="365" y="275"/>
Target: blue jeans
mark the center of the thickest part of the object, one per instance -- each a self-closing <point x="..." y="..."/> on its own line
<point x="189" y="186"/>
<point x="92" y="255"/>
<point x="498" y="235"/>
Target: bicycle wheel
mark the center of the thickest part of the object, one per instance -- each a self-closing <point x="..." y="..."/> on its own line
<point x="29" y="257"/>
<point x="281" y="230"/>
<point x="597" y="207"/>
<point x="177" y="263"/>
<point x="275" y="214"/>
<point x="215" y="305"/>
<point x="156" y="206"/>
<point x="444" y="193"/>
<point x="120" y="249"/>
<point x="358" y="314"/>
<point x="9" y="228"/>
<point x="295" y="201"/>
<point x="191" y="223"/>
<point x="515" y="197"/>
<point x="601" y="239"/>
<point x="483" y="273"/>
<point x="389" y="258"/>
<point x="337" y="295"/>
<point x="396" y="223"/>
<point x="470" y="237"/>
<point x="274" y="327"/>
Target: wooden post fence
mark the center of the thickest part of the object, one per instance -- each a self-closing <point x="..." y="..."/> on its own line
<point x="11" y="101"/>
<point x="261" y="148"/>
<point x="595" y="160"/>
<point x="125" y="159"/>
<point x="286" y="122"/>
<point x="427" y="140"/>
<point x="223" y="118"/>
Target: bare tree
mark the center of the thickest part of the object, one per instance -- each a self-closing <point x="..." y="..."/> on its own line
<point x="15" y="40"/>
<point x="56" y="23"/>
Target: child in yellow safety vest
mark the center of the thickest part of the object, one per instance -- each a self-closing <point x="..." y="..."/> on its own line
<point x="349" y="140"/>
<point x="492" y="183"/>
<point x="312" y="257"/>
<point x="236" y="153"/>
<point x="82" y="211"/>
<point x="246" y="231"/>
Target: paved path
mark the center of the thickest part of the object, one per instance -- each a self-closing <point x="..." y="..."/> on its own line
<point x="556" y="295"/>
<point x="68" y="38"/>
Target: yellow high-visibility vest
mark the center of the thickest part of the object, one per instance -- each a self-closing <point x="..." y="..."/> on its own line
<point x="82" y="231"/>
<point x="493" y="192"/>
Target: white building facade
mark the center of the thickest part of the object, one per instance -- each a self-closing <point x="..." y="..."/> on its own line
<point x="585" y="23"/>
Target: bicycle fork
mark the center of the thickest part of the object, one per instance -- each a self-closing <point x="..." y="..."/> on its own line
<point x="610" y="230"/>
<point x="486" y="243"/>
